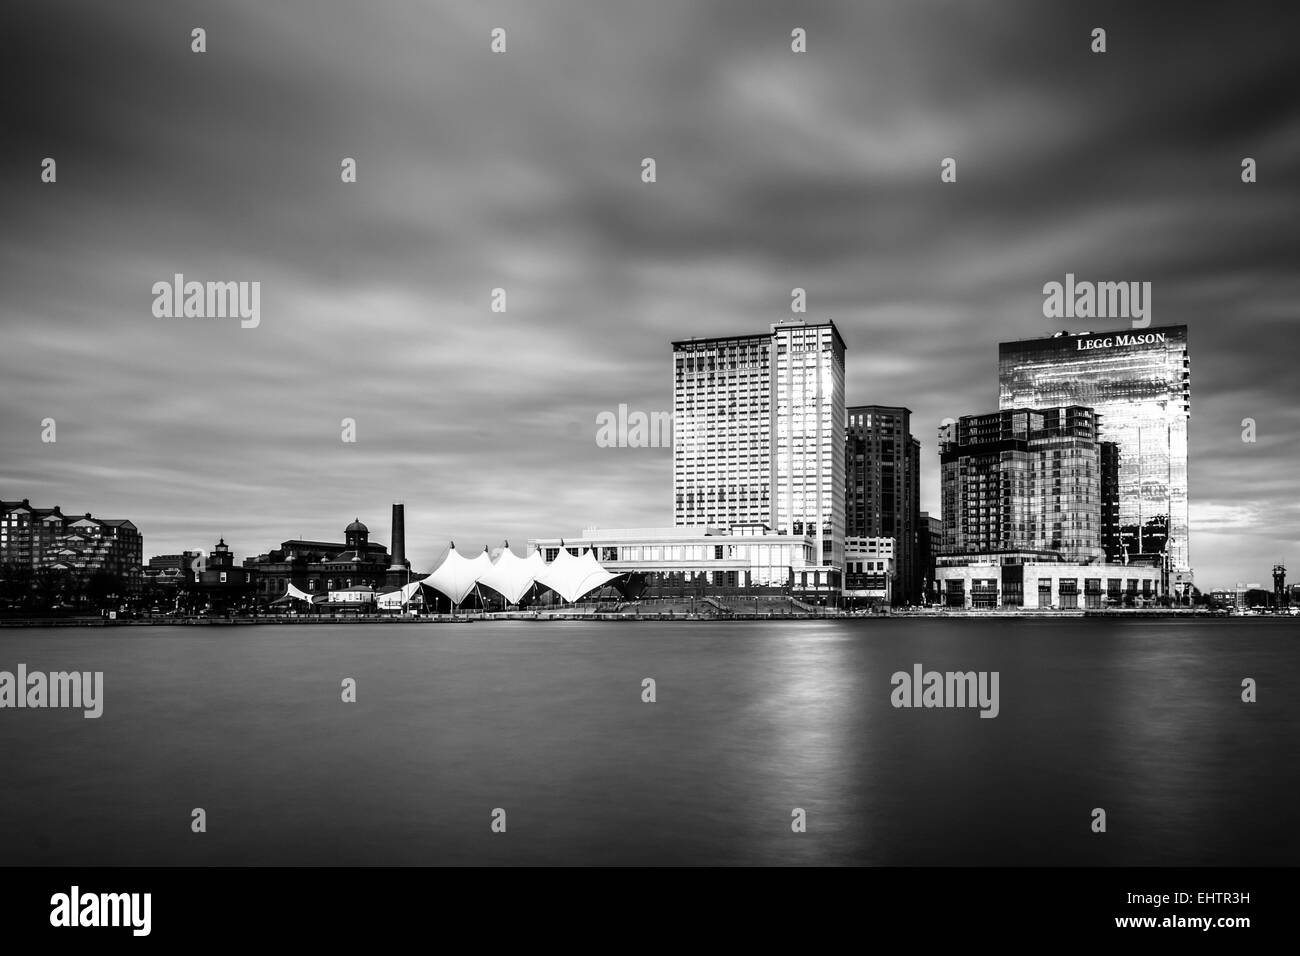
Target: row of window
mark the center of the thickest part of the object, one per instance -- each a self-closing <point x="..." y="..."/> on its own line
<point x="759" y="554"/>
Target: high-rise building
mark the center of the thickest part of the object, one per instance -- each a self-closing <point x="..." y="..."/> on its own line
<point x="35" y="538"/>
<point x="722" y="431"/>
<point x="1023" y="481"/>
<point x="1024" y="515"/>
<point x="883" y="489"/>
<point x="808" y="435"/>
<point x="758" y="436"/>
<point x="1138" y="382"/>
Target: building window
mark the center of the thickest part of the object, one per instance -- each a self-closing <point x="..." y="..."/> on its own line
<point x="984" y="592"/>
<point x="223" y="577"/>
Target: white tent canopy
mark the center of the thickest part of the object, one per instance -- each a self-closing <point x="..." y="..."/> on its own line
<point x="297" y="594"/>
<point x="457" y="575"/>
<point x="511" y="576"/>
<point x="572" y="577"/>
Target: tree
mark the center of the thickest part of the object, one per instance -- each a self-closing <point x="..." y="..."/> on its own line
<point x="104" y="590"/>
<point x="15" y="585"/>
<point x="157" y="595"/>
<point x="51" y="587"/>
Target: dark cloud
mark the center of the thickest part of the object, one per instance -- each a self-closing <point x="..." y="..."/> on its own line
<point x="522" y="171"/>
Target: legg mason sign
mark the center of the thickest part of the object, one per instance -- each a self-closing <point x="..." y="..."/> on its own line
<point x="1116" y="341"/>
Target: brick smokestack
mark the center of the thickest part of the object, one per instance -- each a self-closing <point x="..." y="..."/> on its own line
<point x="398" y="548"/>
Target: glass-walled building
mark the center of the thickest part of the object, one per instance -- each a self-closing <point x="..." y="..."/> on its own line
<point x="1138" y="382"/>
<point x="665" y="562"/>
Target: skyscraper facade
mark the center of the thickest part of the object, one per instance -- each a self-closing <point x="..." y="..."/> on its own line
<point x="722" y="431"/>
<point x="758" y="435"/>
<point x="883" y="489"/>
<point x="808" y="436"/>
<point x="1138" y="382"/>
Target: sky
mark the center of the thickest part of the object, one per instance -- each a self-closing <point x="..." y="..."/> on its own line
<point x="522" y="170"/>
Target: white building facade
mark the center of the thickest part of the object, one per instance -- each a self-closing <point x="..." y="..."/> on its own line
<point x="758" y="438"/>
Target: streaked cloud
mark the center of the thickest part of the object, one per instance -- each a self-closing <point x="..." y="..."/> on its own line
<point x="476" y="171"/>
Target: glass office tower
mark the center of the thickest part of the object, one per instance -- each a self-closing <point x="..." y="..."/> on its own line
<point x="1138" y="381"/>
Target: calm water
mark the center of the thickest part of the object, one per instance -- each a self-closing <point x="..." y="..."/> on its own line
<point x="546" y="721"/>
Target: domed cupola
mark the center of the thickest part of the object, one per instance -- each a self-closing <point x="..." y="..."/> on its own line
<point x="357" y="536"/>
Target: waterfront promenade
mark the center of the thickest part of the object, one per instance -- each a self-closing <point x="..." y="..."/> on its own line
<point x="651" y="613"/>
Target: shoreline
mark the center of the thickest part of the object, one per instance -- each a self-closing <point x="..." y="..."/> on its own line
<point x="543" y="617"/>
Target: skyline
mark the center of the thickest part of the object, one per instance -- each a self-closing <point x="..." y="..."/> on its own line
<point x="488" y="544"/>
<point x="776" y="171"/>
